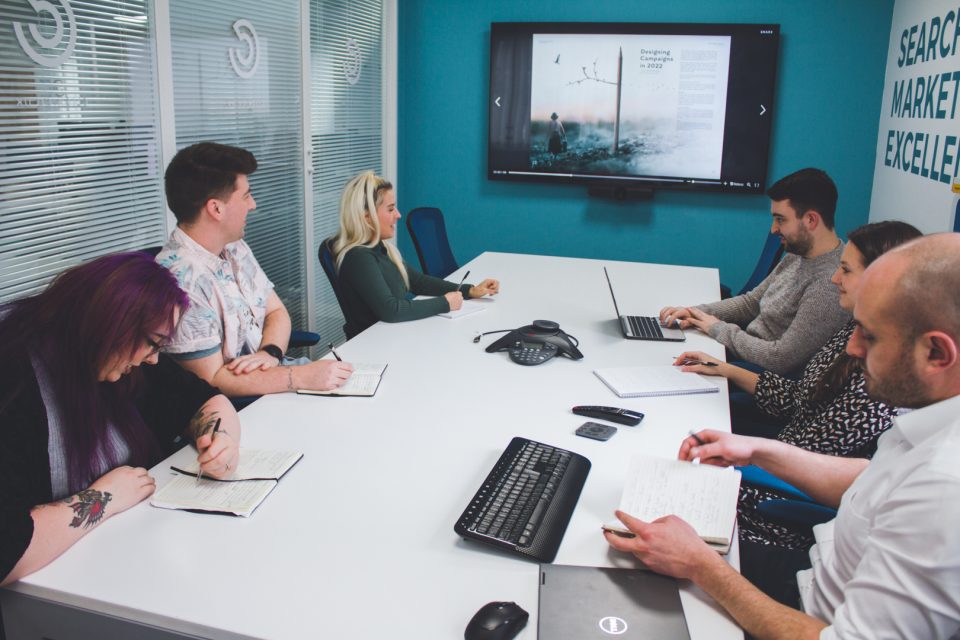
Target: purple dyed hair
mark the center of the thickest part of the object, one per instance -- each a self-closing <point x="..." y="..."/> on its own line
<point x="85" y="319"/>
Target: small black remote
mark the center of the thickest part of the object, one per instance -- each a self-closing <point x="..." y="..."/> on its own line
<point x="613" y="414"/>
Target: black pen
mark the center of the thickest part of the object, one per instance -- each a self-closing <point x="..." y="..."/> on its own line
<point x="693" y="362"/>
<point x="216" y="428"/>
<point x="462" y="280"/>
<point x="335" y="354"/>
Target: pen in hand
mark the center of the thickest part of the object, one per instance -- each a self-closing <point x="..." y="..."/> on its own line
<point x="691" y="362"/>
<point x="462" y="280"/>
<point x="216" y="428"/>
<point x="700" y="443"/>
<point x="335" y="354"/>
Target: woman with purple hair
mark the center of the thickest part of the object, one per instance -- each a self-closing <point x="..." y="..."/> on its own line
<point x="80" y="419"/>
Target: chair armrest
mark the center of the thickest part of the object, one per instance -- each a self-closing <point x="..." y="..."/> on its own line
<point x="757" y="477"/>
<point x="795" y="512"/>
<point x="303" y="339"/>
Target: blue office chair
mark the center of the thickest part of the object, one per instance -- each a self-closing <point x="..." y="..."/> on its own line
<point x="795" y="509"/>
<point x="325" y="254"/>
<point x="769" y="258"/>
<point x="429" y="235"/>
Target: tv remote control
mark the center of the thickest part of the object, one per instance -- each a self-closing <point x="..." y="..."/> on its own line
<point x="613" y="414"/>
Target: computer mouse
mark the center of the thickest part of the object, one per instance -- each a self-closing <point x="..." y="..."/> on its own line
<point x="496" y="621"/>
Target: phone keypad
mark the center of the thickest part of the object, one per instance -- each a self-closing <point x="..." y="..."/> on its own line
<point x="527" y="356"/>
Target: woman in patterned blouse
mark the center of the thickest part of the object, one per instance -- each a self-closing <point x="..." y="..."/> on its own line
<point x="827" y="409"/>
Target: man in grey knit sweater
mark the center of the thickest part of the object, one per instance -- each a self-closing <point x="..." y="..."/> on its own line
<point x="781" y="323"/>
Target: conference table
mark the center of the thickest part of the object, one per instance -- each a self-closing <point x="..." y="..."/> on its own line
<point x="357" y="540"/>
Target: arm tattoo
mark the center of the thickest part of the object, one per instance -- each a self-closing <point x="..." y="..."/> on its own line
<point x="201" y="423"/>
<point x="90" y="507"/>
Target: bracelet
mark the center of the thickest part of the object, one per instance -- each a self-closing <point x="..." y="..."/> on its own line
<point x="290" y="379"/>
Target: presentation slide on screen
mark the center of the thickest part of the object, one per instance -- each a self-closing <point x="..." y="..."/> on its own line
<point x="672" y="104"/>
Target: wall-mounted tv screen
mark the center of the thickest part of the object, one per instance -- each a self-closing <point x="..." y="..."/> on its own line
<point x="632" y="106"/>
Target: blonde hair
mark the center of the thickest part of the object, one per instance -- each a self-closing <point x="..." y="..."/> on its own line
<point x="359" y="224"/>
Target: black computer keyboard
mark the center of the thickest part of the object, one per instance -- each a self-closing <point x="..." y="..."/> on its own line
<point x="526" y="501"/>
<point x="645" y="327"/>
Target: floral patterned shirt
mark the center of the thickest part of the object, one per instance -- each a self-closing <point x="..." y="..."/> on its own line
<point x="228" y="298"/>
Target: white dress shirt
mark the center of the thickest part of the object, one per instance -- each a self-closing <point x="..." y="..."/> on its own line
<point x="888" y="566"/>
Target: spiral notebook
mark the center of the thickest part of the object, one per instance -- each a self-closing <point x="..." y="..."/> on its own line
<point x="643" y="382"/>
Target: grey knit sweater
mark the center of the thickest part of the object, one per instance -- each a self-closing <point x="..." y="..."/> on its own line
<point x="781" y="323"/>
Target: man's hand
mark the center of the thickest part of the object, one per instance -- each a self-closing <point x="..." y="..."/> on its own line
<point x="488" y="287"/>
<point x="700" y="320"/>
<point x="720" y="448"/>
<point x="323" y="375"/>
<point x="667" y="545"/>
<point x="259" y="361"/>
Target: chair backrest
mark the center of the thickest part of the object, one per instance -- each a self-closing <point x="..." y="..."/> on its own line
<point x="769" y="258"/>
<point x="329" y="264"/>
<point x="429" y="235"/>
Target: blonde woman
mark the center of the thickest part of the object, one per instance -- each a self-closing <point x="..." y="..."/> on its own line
<point x="374" y="279"/>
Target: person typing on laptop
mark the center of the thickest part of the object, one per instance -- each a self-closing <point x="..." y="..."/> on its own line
<point x="781" y="323"/>
<point x="887" y="566"/>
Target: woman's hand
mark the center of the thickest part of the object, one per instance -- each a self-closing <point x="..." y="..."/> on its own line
<point x="488" y="287"/>
<point x="454" y="299"/>
<point x="111" y="493"/>
<point x="694" y="361"/>
<point x="700" y="320"/>
<point x="219" y="454"/>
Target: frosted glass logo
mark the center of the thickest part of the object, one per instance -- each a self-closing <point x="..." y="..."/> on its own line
<point x="245" y="64"/>
<point x="55" y="59"/>
<point x="613" y="625"/>
<point x="352" y="63"/>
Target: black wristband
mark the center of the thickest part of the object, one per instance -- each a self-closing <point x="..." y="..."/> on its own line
<point x="274" y="351"/>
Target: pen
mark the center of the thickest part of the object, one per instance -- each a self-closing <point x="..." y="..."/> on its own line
<point x="689" y="361"/>
<point x="216" y="428"/>
<point x="699" y="443"/>
<point x="335" y="354"/>
<point x="462" y="280"/>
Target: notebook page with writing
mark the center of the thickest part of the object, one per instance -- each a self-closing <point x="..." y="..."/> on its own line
<point x="255" y="464"/>
<point x="703" y="495"/>
<point x="364" y="381"/>
<point x="238" y="498"/>
<point x="663" y="380"/>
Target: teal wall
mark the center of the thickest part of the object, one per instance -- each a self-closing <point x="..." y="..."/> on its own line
<point x="830" y="84"/>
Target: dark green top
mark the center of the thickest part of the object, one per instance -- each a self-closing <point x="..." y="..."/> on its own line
<point x="372" y="289"/>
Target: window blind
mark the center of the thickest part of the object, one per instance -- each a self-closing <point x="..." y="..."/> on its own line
<point x="346" y="107"/>
<point x="236" y="77"/>
<point x="79" y="122"/>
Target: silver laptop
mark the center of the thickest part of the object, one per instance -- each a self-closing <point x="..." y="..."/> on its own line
<point x="643" y="327"/>
<point x="592" y="602"/>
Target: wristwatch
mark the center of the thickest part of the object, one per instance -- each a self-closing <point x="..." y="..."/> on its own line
<point x="274" y="351"/>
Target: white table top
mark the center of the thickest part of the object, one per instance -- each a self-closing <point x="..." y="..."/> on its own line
<point x="357" y="540"/>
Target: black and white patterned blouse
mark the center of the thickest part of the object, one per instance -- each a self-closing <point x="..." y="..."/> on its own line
<point x="848" y="424"/>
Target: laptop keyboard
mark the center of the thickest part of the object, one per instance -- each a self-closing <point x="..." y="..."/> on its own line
<point x="644" y="326"/>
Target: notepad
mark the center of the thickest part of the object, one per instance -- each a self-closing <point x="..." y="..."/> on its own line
<point x="467" y="308"/>
<point x="703" y="495"/>
<point x="364" y="381"/>
<point x="642" y="382"/>
<point x="256" y="476"/>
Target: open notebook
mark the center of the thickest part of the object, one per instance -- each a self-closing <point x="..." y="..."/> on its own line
<point x="364" y="382"/>
<point x="703" y="495"/>
<point x="256" y="476"/>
